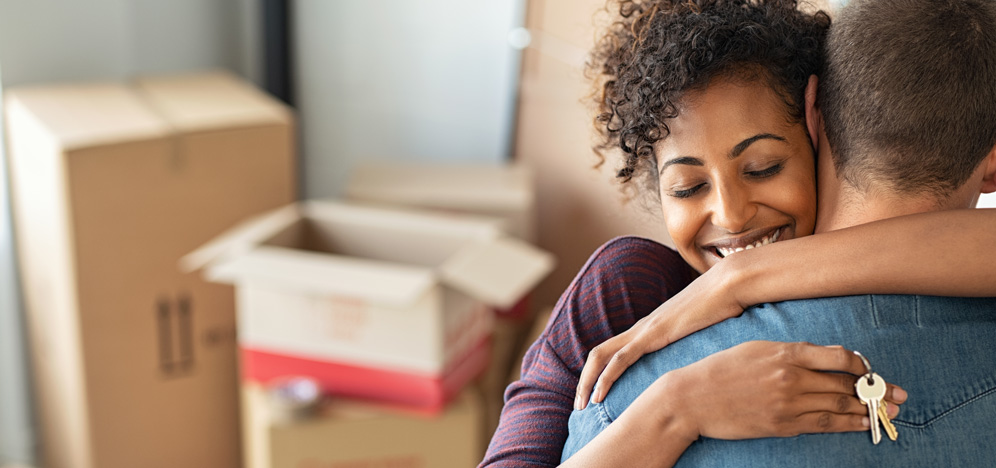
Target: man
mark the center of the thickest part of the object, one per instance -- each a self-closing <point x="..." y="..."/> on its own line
<point x="895" y="78"/>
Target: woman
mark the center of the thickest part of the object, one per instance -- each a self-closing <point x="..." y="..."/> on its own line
<point x="711" y="93"/>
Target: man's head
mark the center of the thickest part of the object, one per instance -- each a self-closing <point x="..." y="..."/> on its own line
<point x="908" y="95"/>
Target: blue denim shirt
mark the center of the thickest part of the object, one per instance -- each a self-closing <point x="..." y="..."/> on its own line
<point x="942" y="351"/>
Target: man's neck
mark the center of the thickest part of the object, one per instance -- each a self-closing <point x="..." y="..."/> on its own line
<point x="841" y="204"/>
<point x="852" y="207"/>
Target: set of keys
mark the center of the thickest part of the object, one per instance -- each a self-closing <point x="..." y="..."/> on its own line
<point x="871" y="391"/>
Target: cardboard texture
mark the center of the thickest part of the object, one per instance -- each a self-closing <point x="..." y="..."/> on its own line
<point x="505" y="192"/>
<point x="352" y="434"/>
<point x="135" y="362"/>
<point x="336" y="289"/>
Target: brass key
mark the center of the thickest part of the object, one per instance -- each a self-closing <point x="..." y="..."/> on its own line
<point x="883" y="415"/>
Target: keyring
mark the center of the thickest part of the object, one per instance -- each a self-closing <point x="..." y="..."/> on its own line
<point x="868" y="366"/>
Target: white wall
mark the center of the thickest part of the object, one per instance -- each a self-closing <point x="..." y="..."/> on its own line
<point x="422" y="80"/>
<point x="69" y="40"/>
<point x="987" y="200"/>
<point x="63" y="40"/>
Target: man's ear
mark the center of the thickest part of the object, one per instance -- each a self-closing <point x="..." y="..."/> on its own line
<point x="814" y="120"/>
<point x="989" y="176"/>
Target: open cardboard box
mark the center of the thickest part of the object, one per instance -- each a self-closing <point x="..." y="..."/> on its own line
<point x="373" y="302"/>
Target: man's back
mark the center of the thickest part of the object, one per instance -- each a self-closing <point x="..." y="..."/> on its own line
<point x="942" y="351"/>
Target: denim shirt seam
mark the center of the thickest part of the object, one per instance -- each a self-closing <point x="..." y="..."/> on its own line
<point x="949" y="411"/>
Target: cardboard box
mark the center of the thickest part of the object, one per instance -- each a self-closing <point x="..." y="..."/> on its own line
<point x="505" y="192"/>
<point x="353" y="434"/>
<point x="501" y="191"/>
<point x="372" y="302"/>
<point x="134" y="362"/>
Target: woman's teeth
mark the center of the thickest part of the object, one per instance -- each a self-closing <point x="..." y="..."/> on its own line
<point x="725" y="252"/>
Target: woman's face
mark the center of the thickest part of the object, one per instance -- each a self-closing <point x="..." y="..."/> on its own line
<point x="735" y="172"/>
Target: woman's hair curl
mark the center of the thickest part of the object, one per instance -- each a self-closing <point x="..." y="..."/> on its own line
<point x="655" y="51"/>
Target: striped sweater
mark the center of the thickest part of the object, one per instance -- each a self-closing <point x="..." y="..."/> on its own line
<point x="622" y="282"/>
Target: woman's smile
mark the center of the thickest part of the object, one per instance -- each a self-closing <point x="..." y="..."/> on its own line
<point x="758" y="238"/>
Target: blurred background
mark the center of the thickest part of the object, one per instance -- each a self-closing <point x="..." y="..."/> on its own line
<point x="465" y="112"/>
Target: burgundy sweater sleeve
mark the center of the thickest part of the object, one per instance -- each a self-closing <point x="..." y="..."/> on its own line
<point x="622" y="282"/>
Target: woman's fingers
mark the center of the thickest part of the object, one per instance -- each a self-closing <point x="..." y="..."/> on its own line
<point x="855" y="419"/>
<point x="895" y="394"/>
<point x="620" y="361"/>
<point x="839" y="403"/>
<point x="826" y="421"/>
<point x="835" y="358"/>
<point x="598" y="358"/>
<point x="826" y="358"/>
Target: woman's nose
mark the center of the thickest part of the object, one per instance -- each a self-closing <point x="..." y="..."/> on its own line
<point x="733" y="209"/>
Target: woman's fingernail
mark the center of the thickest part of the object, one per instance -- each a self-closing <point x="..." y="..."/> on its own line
<point x="865" y="422"/>
<point x="900" y="395"/>
<point x="893" y="411"/>
<point x="577" y="402"/>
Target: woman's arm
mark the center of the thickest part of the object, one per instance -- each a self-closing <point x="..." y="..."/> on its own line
<point x="945" y="253"/>
<point x="755" y="389"/>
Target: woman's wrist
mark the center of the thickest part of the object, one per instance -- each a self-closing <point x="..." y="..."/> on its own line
<point x="737" y="277"/>
<point x="671" y="413"/>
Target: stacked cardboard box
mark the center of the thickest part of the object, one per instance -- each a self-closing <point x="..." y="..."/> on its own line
<point x="346" y="433"/>
<point x="378" y="303"/>
<point x="135" y="362"/>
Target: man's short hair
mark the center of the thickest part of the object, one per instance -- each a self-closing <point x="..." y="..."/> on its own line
<point x="908" y="93"/>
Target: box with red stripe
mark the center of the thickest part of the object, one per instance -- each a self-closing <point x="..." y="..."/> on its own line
<point x="389" y="304"/>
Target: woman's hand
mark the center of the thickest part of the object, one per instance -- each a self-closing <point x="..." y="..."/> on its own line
<point x="771" y="389"/>
<point x="706" y="301"/>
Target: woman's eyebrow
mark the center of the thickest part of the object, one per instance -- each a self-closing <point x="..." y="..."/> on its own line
<point x="686" y="160"/>
<point x="737" y="150"/>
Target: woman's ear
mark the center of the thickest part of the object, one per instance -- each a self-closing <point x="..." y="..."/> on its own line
<point x="814" y="120"/>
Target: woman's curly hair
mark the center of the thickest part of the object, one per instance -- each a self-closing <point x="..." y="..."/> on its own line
<point x="657" y="50"/>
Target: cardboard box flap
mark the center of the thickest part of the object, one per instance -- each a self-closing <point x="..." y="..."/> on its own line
<point x="461" y="187"/>
<point x="323" y="274"/>
<point x="241" y="238"/>
<point x="81" y="116"/>
<point x="210" y="101"/>
<point x="498" y="272"/>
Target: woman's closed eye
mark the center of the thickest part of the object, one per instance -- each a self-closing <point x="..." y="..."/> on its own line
<point x="766" y="172"/>
<point x="686" y="192"/>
